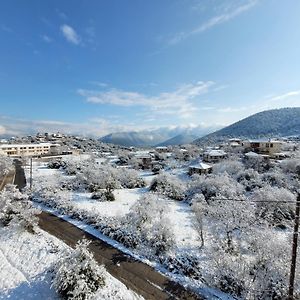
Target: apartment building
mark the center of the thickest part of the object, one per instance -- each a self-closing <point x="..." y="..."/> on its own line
<point x="18" y="150"/>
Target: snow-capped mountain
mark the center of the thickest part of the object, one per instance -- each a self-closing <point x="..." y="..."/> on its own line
<point x="161" y="136"/>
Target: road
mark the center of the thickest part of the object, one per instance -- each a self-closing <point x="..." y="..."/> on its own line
<point x="137" y="276"/>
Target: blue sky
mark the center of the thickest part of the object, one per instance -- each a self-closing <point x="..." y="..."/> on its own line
<point x="95" y="67"/>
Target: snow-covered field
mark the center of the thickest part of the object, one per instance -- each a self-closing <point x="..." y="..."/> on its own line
<point x="25" y="263"/>
<point x="179" y="213"/>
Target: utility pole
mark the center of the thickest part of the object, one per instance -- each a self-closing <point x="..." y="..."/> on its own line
<point x="294" y="250"/>
<point x="30" y="173"/>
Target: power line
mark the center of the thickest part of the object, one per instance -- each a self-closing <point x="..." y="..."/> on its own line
<point x="251" y="201"/>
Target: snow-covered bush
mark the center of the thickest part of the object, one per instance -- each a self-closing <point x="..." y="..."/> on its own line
<point x="77" y="275"/>
<point x="250" y="179"/>
<point x="6" y="164"/>
<point x="291" y="165"/>
<point x="231" y="167"/>
<point x="275" y="205"/>
<point x="275" y="178"/>
<point x="215" y="186"/>
<point x="16" y="210"/>
<point x="147" y="218"/>
<point x="168" y="185"/>
<point x="129" y="179"/>
<point x="56" y="164"/>
<point x="103" y="196"/>
<point x="270" y="265"/>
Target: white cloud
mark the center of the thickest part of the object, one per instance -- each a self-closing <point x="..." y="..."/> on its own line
<point x="47" y="39"/>
<point x="178" y="102"/>
<point x="227" y="15"/>
<point x="70" y="34"/>
<point x="285" y="96"/>
<point x="2" y="129"/>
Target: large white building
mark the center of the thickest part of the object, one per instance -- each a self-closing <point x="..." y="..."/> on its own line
<point x="17" y="150"/>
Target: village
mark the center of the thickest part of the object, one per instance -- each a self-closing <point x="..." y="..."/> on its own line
<point x="179" y="209"/>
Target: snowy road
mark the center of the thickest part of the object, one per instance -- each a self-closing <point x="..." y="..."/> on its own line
<point x="134" y="274"/>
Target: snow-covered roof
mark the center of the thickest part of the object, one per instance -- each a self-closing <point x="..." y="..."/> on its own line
<point x="27" y="145"/>
<point x="264" y="141"/>
<point x="215" y="153"/>
<point x="251" y="154"/>
<point x="201" y="166"/>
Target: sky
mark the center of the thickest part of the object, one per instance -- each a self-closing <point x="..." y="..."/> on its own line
<point x="95" y="67"/>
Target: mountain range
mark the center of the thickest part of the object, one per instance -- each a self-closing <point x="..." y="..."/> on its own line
<point x="163" y="136"/>
<point x="270" y="123"/>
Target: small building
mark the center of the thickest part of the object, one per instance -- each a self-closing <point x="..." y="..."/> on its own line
<point x="161" y="149"/>
<point x="200" y="169"/>
<point x="144" y="159"/>
<point x="214" y="155"/>
<point x="268" y="146"/>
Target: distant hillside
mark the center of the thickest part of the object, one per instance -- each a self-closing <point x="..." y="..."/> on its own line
<point x="161" y="136"/>
<point x="269" y="123"/>
<point x="137" y="139"/>
<point x="180" y="139"/>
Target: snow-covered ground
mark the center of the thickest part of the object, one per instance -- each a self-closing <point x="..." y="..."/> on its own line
<point x="125" y="198"/>
<point x="178" y="213"/>
<point x="25" y="264"/>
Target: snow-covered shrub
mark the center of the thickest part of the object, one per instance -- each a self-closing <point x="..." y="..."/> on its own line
<point x="103" y="196"/>
<point x="275" y="178"/>
<point x="129" y="179"/>
<point x="168" y="185"/>
<point x="183" y="263"/>
<point x="229" y="273"/>
<point x="6" y="164"/>
<point x="250" y="179"/>
<point x="291" y="165"/>
<point x="78" y="276"/>
<point x="211" y="186"/>
<point x="147" y="218"/>
<point x="16" y="210"/>
<point x="276" y="205"/>
<point x="258" y="163"/>
<point x="270" y="265"/>
<point x="231" y="167"/>
<point x="56" y="164"/>
<point x="229" y="222"/>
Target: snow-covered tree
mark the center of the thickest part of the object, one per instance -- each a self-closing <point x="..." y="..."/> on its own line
<point x="147" y="218"/>
<point x="275" y="205"/>
<point x="231" y="167"/>
<point x="250" y="179"/>
<point x="77" y="275"/>
<point x="168" y="185"/>
<point x="215" y="186"/>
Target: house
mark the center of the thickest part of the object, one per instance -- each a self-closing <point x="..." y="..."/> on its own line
<point x="269" y="147"/>
<point x="200" y="169"/>
<point x="214" y="155"/>
<point x="161" y="149"/>
<point x="18" y="150"/>
<point x="145" y="161"/>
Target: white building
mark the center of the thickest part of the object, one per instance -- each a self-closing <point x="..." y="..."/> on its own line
<point x="17" y="150"/>
<point x="214" y="155"/>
